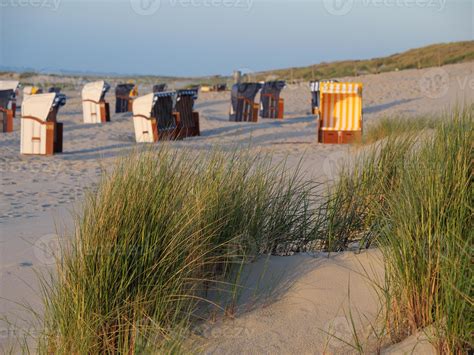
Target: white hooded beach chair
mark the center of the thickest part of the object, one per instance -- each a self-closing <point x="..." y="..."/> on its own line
<point x="154" y="117"/>
<point x="340" y="113"/>
<point x="10" y="85"/>
<point x="94" y="106"/>
<point x="41" y="134"/>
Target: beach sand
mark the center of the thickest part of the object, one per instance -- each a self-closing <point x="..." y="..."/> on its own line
<point x="38" y="194"/>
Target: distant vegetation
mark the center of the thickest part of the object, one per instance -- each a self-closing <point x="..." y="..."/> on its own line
<point x="425" y="57"/>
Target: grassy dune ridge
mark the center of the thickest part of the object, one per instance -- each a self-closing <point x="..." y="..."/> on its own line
<point x="425" y="57"/>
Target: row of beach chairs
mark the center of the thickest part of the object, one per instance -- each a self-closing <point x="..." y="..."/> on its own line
<point x="245" y="109"/>
<point x="170" y="114"/>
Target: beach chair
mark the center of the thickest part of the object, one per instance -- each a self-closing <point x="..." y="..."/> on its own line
<point x="315" y="97"/>
<point x="11" y="85"/>
<point x="272" y="105"/>
<point x="219" y="87"/>
<point x="6" y="114"/>
<point x="159" y="88"/>
<point x="125" y="94"/>
<point x="94" y="106"/>
<point x="340" y="113"/>
<point x="187" y="118"/>
<point x="154" y="118"/>
<point x="55" y="89"/>
<point x="41" y="133"/>
<point x="31" y="90"/>
<point x="243" y="107"/>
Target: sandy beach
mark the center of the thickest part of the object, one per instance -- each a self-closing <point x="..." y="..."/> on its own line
<point x="311" y="298"/>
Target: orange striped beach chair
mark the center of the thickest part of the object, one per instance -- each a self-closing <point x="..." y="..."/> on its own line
<point x="340" y="113"/>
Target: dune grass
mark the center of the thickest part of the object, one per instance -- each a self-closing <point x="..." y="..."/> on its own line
<point x="412" y="195"/>
<point x="160" y="229"/>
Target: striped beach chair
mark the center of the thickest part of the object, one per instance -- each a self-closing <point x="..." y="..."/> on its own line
<point x="41" y="133"/>
<point x="315" y="97"/>
<point x="95" y="108"/>
<point x="10" y="85"/>
<point x="340" y="113"/>
<point x="272" y="105"/>
<point x="6" y="114"/>
<point x="124" y="95"/>
<point x="243" y="107"/>
<point x="187" y="118"/>
<point x="154" y="118"/>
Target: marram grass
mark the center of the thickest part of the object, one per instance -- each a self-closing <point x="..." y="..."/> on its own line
<point x="159" y="228"/>
<point x="411" y="194"/>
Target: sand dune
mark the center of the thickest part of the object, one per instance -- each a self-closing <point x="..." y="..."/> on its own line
<point x="38" y="193"/>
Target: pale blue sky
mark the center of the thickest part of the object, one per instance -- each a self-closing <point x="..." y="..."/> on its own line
<point x="200" y="37"/>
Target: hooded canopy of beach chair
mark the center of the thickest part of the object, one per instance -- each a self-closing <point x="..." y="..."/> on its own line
<point x="270" y="97"/>
<point x="9" y="85"/>
<point x="35" y="112"/>
<point x="159" y="88"/>
<point x="5" y="97"/>
<point x="38" y="106"/>
<point x="124" y="90"/>
<point x="54" y="89"/>
<point x="95" y="91"/>
<point x="341" y="106"/>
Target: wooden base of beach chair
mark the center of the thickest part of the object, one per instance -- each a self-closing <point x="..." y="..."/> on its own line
<point x="253" y="116"/>
<point x="339" y="137"/>
<point x="104" y="112"/>
<point x="186" y="132"/>
<point x="281" y="109"/>
<point x="58" y="137"/>
<point x="7" y="124"/>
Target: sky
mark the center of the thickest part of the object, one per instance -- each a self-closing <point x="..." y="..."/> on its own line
<point x="211" y="37"/>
